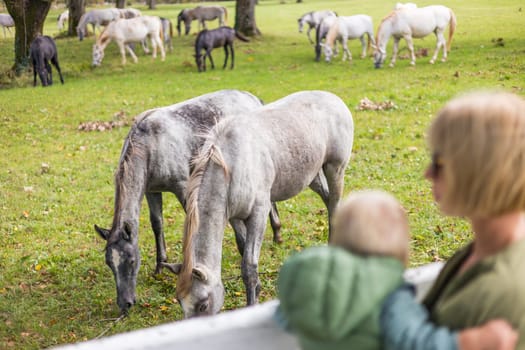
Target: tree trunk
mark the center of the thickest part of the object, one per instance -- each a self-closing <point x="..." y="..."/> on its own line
<point x="29" y="17"/>
<point x="76" y="9"/>
<point x="121" y="4"/>
<point x="152" y="4"/>
<point x="245" y="18"/>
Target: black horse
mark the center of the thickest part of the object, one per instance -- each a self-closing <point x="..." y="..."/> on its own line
<point x="41" y="51"/>
<point x="209" y="39"/>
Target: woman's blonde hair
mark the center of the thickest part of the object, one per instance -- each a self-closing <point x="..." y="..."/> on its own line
<point x="371" y="223"/>
<point x="480" y="140"/>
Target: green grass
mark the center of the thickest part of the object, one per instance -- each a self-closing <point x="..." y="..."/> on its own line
<point x="54" y="285"/>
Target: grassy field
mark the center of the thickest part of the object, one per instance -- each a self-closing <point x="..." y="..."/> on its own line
<point x="56" y="181"/>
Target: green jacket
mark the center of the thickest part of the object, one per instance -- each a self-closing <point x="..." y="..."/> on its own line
<point x="332" y="299"/>
<point x="493" y="288"/>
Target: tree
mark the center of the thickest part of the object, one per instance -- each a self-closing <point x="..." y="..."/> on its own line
<point x="121" y="4"/>
<point x="152" y="4"/>
<point x="29" y="17"/>
<point x="245" y="17"/>
<point x="76" y="9"/>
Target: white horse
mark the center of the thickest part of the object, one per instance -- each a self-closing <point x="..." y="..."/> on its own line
<point x="6" y="21"/>
<point x="415" y="23"/>
<point x="62" y="18"/>
<point x="125" y="31"/>
<point x="313" y="19"/>
<point x="97" y="18"/>
<point x="320" y="34"/>
<point x="349" y="27"/>
<point x="407" y="5"/>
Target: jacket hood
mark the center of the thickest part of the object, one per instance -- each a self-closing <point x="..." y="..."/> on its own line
<point x="326" y="292"/>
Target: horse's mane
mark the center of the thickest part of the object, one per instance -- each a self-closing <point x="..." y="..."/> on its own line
<point x="209" y="152"/>
<point x="387" y="17"/>
<point x="133" y="148"/>
<point x="332" y="33"/>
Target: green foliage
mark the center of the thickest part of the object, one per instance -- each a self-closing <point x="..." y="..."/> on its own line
<point x="56" y="181"/>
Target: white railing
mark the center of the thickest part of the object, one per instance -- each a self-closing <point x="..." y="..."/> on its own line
<point x="251" y="328"/>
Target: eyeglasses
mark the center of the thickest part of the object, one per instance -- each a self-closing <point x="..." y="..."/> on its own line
<point x="436" y="166"/>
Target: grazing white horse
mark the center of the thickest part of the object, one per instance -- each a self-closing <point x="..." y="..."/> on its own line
<point x="97" y="18"/>
<point x="62" y="18"/>
<point x="6" y="21"/>
<point x="313" y="19"/>
<point x="349" y="27"/>
<point x="415" y="23"/>
<point x="125" y="31"/>
<point x="320" y="34"/>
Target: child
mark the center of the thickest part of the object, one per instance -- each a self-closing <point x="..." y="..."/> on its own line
<point x="332" y="296"/>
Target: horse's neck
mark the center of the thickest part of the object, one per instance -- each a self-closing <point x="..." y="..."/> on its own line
<point x="384" y="33"/>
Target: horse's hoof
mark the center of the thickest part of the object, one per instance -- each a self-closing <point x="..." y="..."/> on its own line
<point x="431" y="61"/>
<point x="391" y="65"/>
<point x="414" y="63"/>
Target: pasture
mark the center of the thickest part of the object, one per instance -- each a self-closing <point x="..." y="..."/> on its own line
<point x="56" y="177"/>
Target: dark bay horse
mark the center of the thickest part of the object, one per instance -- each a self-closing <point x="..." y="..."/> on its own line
<point x="246" y="163"/>
<point x="207" y="40"/>
<point x="155" y="158"/>
<point x="201" y="14"/>
<point x="41" y="51"/>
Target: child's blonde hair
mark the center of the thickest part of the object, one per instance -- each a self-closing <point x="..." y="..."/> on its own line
<point x="480" y="141"/>
<point x="372" y="223"/>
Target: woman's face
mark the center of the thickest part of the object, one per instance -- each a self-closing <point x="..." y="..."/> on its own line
<point x="434" y="173"/>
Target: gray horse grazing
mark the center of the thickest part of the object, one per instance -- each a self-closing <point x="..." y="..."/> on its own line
<point x="155" y="158"/>
<point x="201" y="14"/>
<point x="246" y="164"/>
<point x="313" y="19"/>
<point x="41" y="51"/>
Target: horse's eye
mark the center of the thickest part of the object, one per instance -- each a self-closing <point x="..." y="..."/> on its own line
<point x="202" y="307"/>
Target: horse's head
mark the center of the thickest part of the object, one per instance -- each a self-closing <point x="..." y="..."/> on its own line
<point x="123" y="258"/>
<point x="98" y="55"/>
<point x="328" y="52"/>
<point x="202" y="295"/>
<point x="379" y="57"/>
<point x="300" y="21"/>
<point x="199" y="62"/>
<point x="80" y="33"/>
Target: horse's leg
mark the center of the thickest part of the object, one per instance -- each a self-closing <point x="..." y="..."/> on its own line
<point x="440" y="43"/>
<point x="320" y="186"/>
<point x="308" y="34"/>
<point x="160" y="46"/>
<point x="240" y="234"/>
<point x="255" y="227"/>
<point x="155" y="218"/>
<point x="394" y="51"/>
<point x="132" y="54"/>
<point x="54" y="60"/>
<point x="346" y="52"/>
<point x="232" y="54"/>
<point x="363" y="46"/>
<point x="335" y="180"/>
<point x="208" y="52"/>
<point x="275" y="222"/>
<point x="410" y="44"/>
<point x="145" y="47"/>
<point x="226" y="54"/>
<point x="49" y="73"/>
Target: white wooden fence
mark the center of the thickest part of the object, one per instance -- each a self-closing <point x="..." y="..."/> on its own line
<point x="248" y="328"/>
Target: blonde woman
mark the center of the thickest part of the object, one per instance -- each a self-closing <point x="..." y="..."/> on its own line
<point x="477" y="143"/>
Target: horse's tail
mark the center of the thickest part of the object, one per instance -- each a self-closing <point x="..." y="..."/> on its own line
<point x="332" y="33"/>
<point x="451" y="29"/>
<point x="209" y="153"/>
<point x="171" y="28"/>
<point x="241" y="37"/>
<point x="318" y="41"/>
<point x="161" y="31"/>
<point x="225" y="15"/>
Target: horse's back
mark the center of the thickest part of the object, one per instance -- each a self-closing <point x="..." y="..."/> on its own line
<point x="288" y="140"/>
<point x="424" y="20"/>
<point x="356" y="25"/>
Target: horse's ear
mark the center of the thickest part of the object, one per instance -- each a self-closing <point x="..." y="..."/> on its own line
<point x="104" y="233"/>
<point x="175" y="268"/>
<point x="199" y="274"/>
